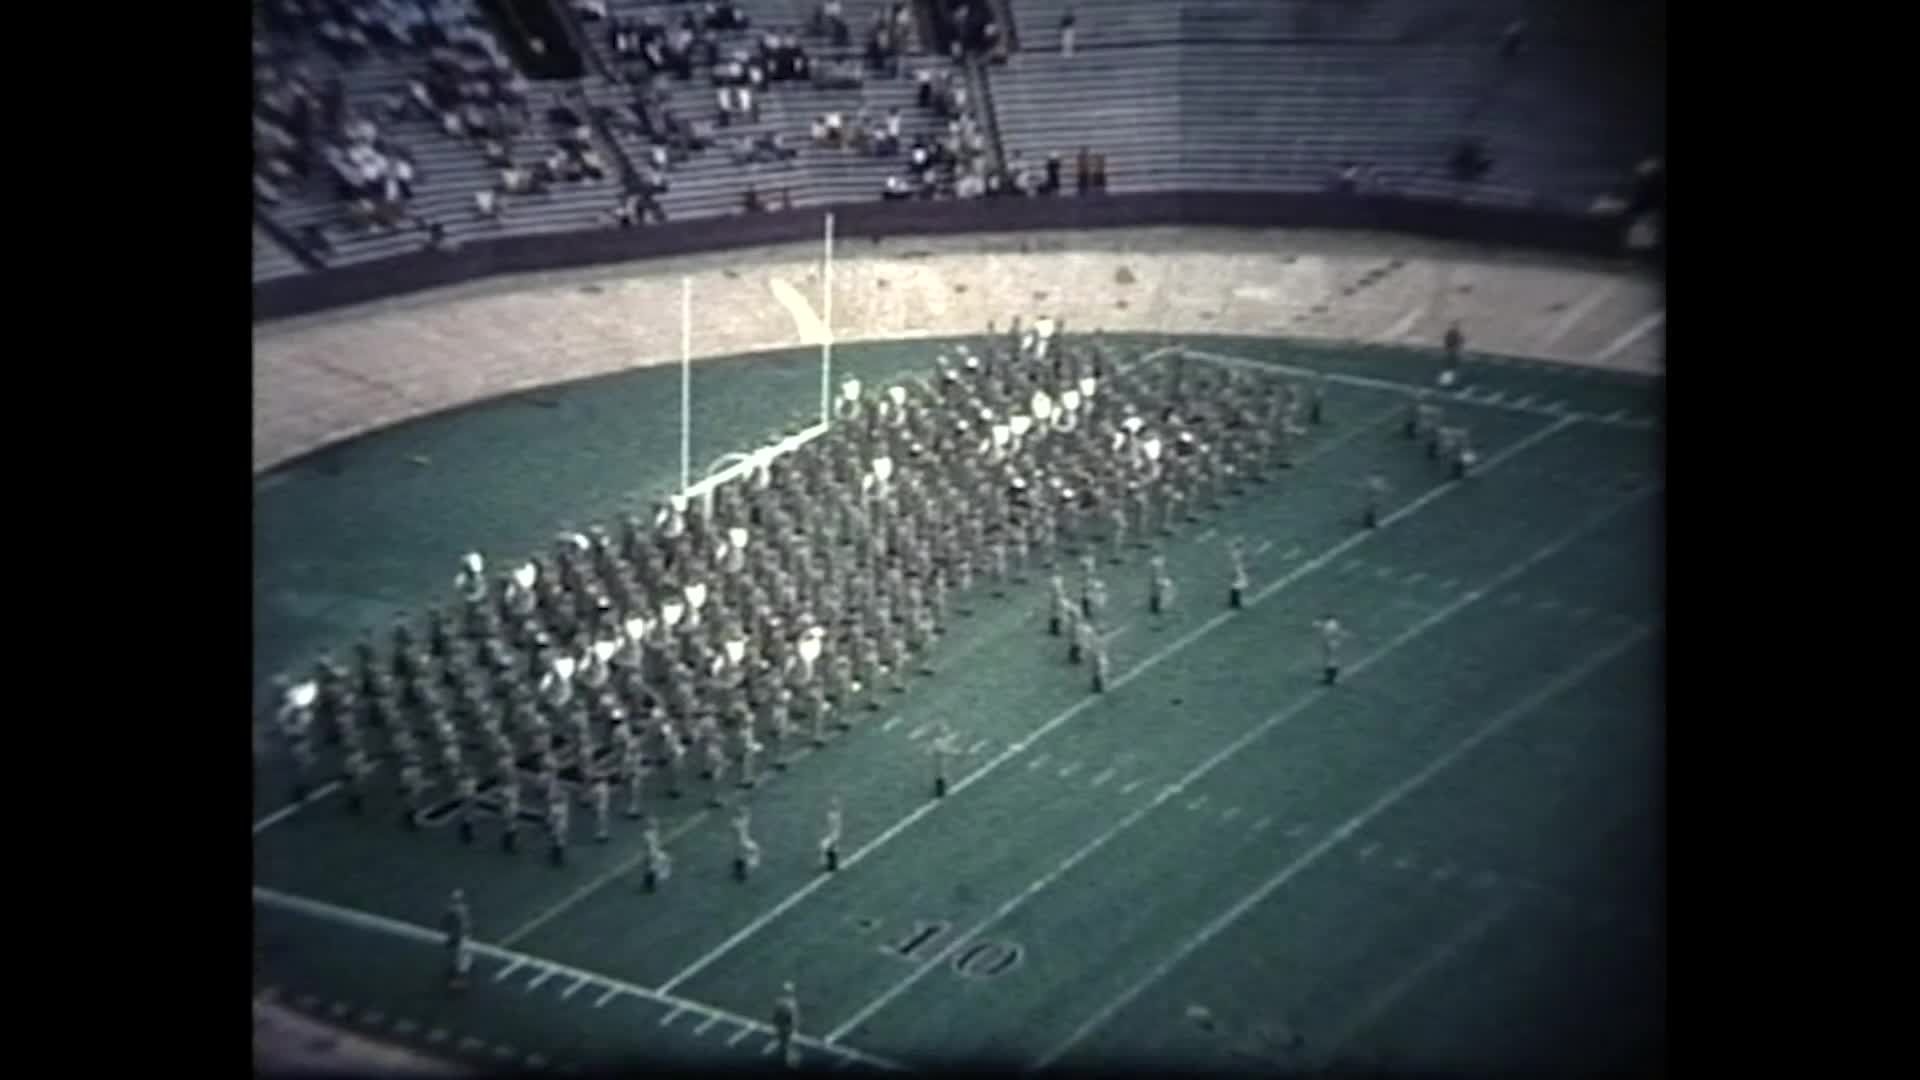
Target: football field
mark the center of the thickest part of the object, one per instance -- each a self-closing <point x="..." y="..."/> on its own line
<point x="1451" y="860"/>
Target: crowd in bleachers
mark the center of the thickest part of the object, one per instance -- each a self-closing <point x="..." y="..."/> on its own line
<point x="311" y="139"/>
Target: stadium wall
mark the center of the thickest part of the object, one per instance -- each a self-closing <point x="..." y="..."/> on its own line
<point x="1536" y="229"/>
<point x="329" y="376"/>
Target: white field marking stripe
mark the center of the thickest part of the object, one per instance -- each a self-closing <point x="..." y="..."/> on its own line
<point x="1634" y="333"/>
<point x="1391" y="994"/>
<point x="738" y="1035"/>
<point x="1220" y="757"/>
<point x="520" y="932"/>
<point x="1405" y="323"/>
<point x="1102" y="778"/>
<point x="1367" y="382"/>
<point x="364" y="920"/>
<point x="671" y="1017"/>
<point x="1577" y="312"/>
<point x="1262" y="549"/>
<point x="892" y="722"/>
<point x="542" y="977"/>
<point x="1116" y="632"/>
<point x="612" y="992"/>
<point x="288" y="811"/>
<point x="707" y="1023"/>
<point x="1346" y="830"/>
<point x="575" y="988"/>
<point x="501" y="975"/>
<point x="1084" y="703"/>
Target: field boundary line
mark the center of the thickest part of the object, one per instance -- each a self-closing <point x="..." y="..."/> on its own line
<point x="1346" y="830"/>
<point x="381" y="924"/>
<point x="1163" y="653"/>
<point x="1199" y="772"/>
<point x="1368" y="382"/>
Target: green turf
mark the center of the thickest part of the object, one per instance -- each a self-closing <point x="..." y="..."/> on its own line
<point x="1544" y="836"/>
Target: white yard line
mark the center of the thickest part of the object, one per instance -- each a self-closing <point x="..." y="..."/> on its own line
<point x="288" y="811"/>
<point x="380" y="924"/>
<point x="1634" y="333"/>
<point x="1220" y="757"/>
<point x="1578" y="311"/>
<point x="1405" y="323"/>
<point x="543" y="918"/>
<point x="1154" y="660"/>
<point x="1399" y="988"/>
<point x="1344" y="832"/>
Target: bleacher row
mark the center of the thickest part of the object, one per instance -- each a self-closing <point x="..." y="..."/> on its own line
<point x="1231" y="95"/>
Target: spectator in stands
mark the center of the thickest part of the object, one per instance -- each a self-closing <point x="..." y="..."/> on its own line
<point x="1066" y="35"/>
<point x="723" y="16"/>
<point x="1083" y="171"/>
<point x="488" y="205"/>
<point x="896" y="189"/>
<point x="923" y="88"/>
<point x="1052" y="184"/>
<point x="751" y="200"/>
<point x="1099" y="178"/>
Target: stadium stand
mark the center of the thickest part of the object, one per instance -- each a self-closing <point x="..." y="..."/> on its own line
<point x="1448" y="99"/>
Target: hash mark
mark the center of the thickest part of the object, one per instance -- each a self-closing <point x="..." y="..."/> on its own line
<point x="892" y="722"/>
<point x="707" y="1023"/>
<point x="1037" y="763"/>
<point x="1230" y="813"/>
<point x="535" y="1061"/>
<point x="1261" y="825"/>
<point x="575" y="988"/>
<point x="1403" y="863"/>
<point x="1297" y="829"/>
<point x="1196" y="804"/>
<point x="1069" y="770"/>
<point x="518" y="963"/>
<point x="1414" y="578"/>
<point x="919" y="732"/>
<point x="741" y="1034"/>
<point x="1367" y="852"/>
<point x="979" y="748"/>
<point x="1449" y="584"/>
<point x="1486" y="879"/>
<point x="1292" y="553"/>
<point x="340" y="1008"/>
<point x="541" y="978"/>
<point x="372" y="1017"/>
<point x="1524" y="402"/>
<point x="504" y="1051"/>
<point x="612" y="992"/>
<point x="1102" y="778"/>
<point x="671" y="1017"/>
<point x="468" y="1044"/>
<point x="1131" y="785"/>
<point x="405" y="1027"/>
<point x="772" y="1045"/>
<point x="437" y="1035"/>
<point x="1444" y="872"/>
